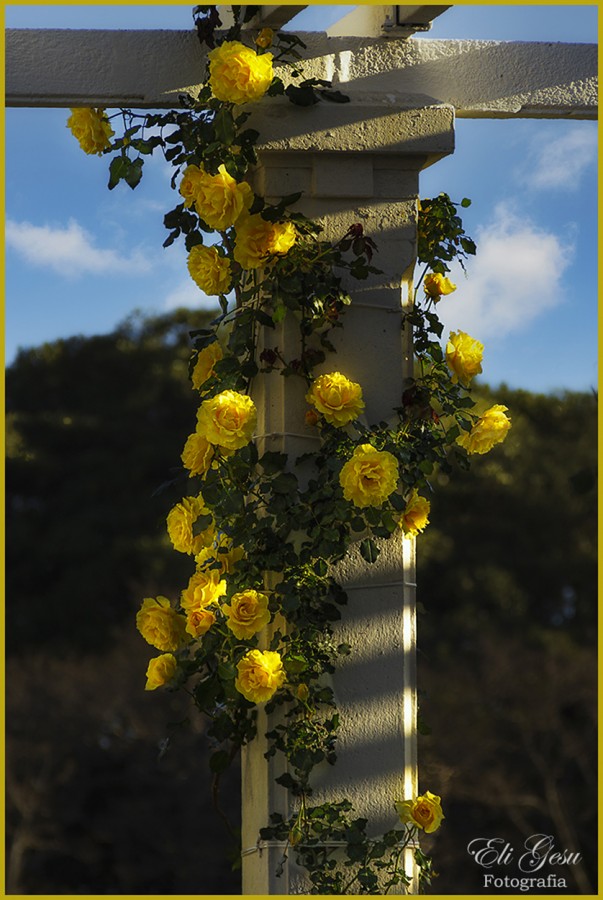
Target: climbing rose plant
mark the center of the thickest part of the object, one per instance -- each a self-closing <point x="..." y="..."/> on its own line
<point x="255" y="623"/>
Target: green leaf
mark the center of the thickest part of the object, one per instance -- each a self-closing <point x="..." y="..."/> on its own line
<point x="224" y="126"/>
<point x="369" y="550"/>
<point x="295" y="663"/>
<point x="301" y="96"/>
<point x="285" y="483"/>
<point x="279" y="313"/>
<point x="264" y="319"/>
<point x="134" y="173"/>
<point x="273" y="462"/>
<point x="226" y="671"/>
<point x="193" y="239"/>
<point x="117" y="170"/>
<point x="286" y="780"/>
<point x="320" y="567"/>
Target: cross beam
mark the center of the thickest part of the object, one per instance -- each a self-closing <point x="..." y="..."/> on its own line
<point x="148" y="69"/>
<point x="386" y="21"/>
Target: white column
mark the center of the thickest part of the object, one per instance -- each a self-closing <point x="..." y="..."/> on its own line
<point x="375" y="687"/>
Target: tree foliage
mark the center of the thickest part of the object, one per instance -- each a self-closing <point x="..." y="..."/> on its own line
<point x="94" y="425"/>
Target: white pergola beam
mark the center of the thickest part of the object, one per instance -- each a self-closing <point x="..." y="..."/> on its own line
<point x="268" y="16"/>
<point x="147" y="69"/>
<point x="385" y="21"/>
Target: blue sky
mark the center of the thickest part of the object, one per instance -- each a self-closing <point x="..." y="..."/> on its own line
<point x="80" y="258"/>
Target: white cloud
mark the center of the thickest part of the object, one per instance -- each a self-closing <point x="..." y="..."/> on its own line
<point x="70" y="250"/>
<point x="186" y="293"/>
<point x="560" y="163"/>
<point x="515" y="277"/>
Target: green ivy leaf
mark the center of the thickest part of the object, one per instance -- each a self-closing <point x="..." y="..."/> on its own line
<point x="117" y="170"/>
<point x="224" y="126"/>
<point x="302" y="96"/>
<point x="369" y="550"/>
<point x="285" y="483"/>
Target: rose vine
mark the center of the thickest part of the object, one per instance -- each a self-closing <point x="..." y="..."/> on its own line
<point x="254" y="624"/>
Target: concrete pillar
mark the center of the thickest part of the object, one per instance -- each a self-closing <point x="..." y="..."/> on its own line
<point x="374" y="181"/>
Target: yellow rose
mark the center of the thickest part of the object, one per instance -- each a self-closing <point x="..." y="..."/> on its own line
<point x="237" y="74"/>
<point x="338" y="399"/>
<point x="180" y="521"/>
<point x="220" y="199"/>
<point x="256" y="240"/>
<point x="91" y="128"/>
<point x="415" y="517"/>
<point x="203" y="589"/>
<point x="261" y="674"/>
<point x="197" y="455"/>
<point x="489" y="430"/>
<point x="247" y="613"/>
<point x="209" y="270"/>
<point x="227" y="420"/>
<point x="425" y="812"/>
<point x="222" y="552"/>
<point x="190" y="184"/>
<point x="435" y="285"/>
<point x="206" y="360"/>
<point x="199" y="621"/>
<point x="369" y="477"/>
<point x="464" y="356"/>
<point x="264" y="38"/>
<point x="159" y="624"/>
<point x="160" y="670"/>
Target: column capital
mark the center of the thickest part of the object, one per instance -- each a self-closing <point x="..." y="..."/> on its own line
<point x="384" y="128"/>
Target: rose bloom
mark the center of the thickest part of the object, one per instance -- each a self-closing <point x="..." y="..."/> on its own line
<point x="160" y="670"/>
<point x="220" y="199"/>
<point x="203" y="589"/>
<point x="180" y="521"/>
<point x="199" y="621"/>
<point x="261" y="674"/>
<point x="197" y="455"/>
<point x="425" y="812"/>
<point x="435" y="285"/>
<point x="190" y="184"/>
<point x="227" y="559"/>
<point x="91" y="128"/>
<point x="256" y="240"/>
<point x="227" y="420"/>
<point x="415" y="517"/>
<point x="489" y="430"/>
<point x="209" y="270"/>
<point x="206" y="360"/>
<point x="159" y="624"/>
<point x="338" y="399"/>
<point x="464" y="356"/>
<point x="247" y="614"/>
<point x="237" y="74"/>
<point x="369" y="477"/>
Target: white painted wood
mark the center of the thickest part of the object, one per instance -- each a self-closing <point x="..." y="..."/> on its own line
<point x="374" y="180"/>
<point x="269" y="16"/>
<point x="150" y="68"/>
<point x="370" y="20"/>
